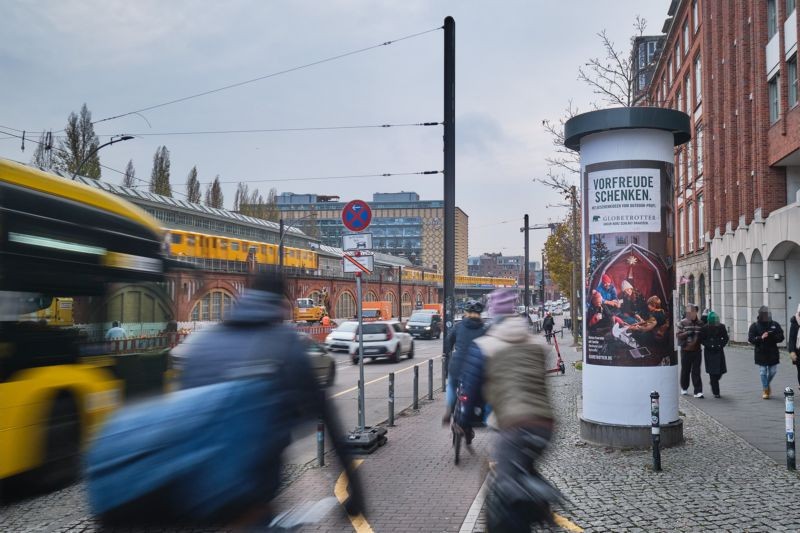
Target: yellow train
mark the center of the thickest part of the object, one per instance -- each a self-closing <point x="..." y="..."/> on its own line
<point x="411" y="274"/>
<point x="205" y="246"/>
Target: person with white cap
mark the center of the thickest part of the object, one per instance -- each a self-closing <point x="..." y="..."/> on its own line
<point x="509" y="367"/>
<point x="794" y="327"/>
<point x="632" y="306"/>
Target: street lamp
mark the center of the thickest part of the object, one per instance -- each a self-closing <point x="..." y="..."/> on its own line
<point x="119" y="138"/>
<point x="283" y="230"/>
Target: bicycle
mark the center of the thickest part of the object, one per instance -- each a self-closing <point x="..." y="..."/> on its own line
<point x="461" y="418"/>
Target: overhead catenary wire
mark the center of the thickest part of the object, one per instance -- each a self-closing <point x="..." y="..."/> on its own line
<point x="112" y="169"/>
<point x="270" y="75"/>
<point x="278" y="130"/>
<point x="318" y="178"/>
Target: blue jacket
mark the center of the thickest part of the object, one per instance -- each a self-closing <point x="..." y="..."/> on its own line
<point x="459" y="340"/>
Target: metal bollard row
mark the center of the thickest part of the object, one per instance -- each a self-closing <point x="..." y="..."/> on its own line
<point x="655" y="430"/>
<point x="416" y="387"/>
<point x="788" y="394"/>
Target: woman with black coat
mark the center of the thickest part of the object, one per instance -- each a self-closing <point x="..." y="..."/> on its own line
<point x="714" y="337"/>
<point x="794" y="326"/>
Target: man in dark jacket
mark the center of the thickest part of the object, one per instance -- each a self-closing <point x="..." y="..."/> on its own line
<point x="794" y="329"/>
<point x="254" y="337"/>
<point x="547" y="325"/>
<point x="765" y="334"/>
<point x="456" y="344"/>
<point x="691" y="353"/>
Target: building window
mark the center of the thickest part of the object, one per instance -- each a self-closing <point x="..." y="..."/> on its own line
<point x="679" y="103"/>
<point x="689" y="164"/>
<point x="679" y="172"/>
<point x="215" y="305"/>
<point x="651" y="51"/>
<point x="677" y="57"/>
<point x="698" y="81"/>
<point x="698" y="133"/>
<point x="690" y="215"/>
<point x="772" y="18"/>
<point x="790" y="6"/>
<point x="701" y="229"/>
<point x="791" y="70"/>
<point x="642" y="81"/>
<point x="681" y="230"/>
<point x="688" y="91"/>
<point x="622" y="240"/>
<point x="642" y="55"/>
<point x="774" y="99"/>
<point x="695" y="16"/>
<point x="686" y="37"/>
<point x="345" y="306"/>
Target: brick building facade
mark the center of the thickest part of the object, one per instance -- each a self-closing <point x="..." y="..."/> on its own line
<point x="737" y="182"/>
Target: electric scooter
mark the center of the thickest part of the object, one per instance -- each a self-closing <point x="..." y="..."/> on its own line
<point x="560" y="366"/>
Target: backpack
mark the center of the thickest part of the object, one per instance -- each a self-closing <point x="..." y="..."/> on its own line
<point x="201" y="454"/>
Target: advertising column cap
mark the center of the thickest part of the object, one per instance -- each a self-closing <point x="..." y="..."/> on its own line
<point x="625" y="118"/>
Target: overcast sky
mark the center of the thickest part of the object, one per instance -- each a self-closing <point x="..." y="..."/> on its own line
<point x="516" y="65"/>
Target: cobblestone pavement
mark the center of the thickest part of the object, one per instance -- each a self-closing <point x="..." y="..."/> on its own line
<point x="715" y="481"/>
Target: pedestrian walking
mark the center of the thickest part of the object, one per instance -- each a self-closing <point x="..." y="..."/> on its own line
<point x="691" y="351"/>
<point x="548" y="324"/>
<point x="792" y="345"/>
<point x="714" y="337"/>
<point x="116" y="332"/>
<point x="509" y="367"/>
<point x="765" y="334"/>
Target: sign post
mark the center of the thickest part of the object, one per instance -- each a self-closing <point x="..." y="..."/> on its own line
<point x="357" y="258"/>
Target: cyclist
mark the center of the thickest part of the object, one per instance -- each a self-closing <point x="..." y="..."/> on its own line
<point x="508" y="365"/>
<point x="457" y="342"/>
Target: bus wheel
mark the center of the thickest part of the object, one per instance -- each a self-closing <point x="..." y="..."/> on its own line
<point x="62" y="445"/>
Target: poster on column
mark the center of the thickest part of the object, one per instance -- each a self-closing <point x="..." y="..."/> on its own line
<point x="629" y="243"/>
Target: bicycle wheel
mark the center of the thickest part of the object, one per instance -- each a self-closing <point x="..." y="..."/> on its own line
<point x="457" y="444"/>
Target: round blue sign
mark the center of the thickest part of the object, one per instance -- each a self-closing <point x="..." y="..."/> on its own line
<point x="356" y="215"/>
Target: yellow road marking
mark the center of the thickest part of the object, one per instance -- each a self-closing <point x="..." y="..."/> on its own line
<point x="351" y="389"/>
<point x="360" y="524"/>
<point x="566" y="524"/>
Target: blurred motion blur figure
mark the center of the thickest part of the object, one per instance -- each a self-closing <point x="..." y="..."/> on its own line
<point x="246" y="383"/>
<point x="512" y="378"/>
<point x="116" y="332"/>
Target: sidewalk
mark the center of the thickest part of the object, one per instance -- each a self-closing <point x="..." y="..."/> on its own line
<point x="715" y="481"/>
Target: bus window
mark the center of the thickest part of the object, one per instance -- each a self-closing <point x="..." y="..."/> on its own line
<point x="177" y="238"/>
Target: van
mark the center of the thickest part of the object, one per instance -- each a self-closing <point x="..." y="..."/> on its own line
<point x="425" y="324"/>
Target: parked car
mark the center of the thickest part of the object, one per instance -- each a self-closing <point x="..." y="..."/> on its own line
<point x="385" y="338"/>
<point x="424" y="324"/>
<point x="323" y="364"/>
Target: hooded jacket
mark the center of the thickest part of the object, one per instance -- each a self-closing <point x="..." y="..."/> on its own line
<point x="508" y="366"/>
<point x="766" y="350"/>
<point x="459" y="340"/>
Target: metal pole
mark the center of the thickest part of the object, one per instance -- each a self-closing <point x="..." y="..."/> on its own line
<point x="449" y="117"/>
<point x="361" y="406"/>
<point x="320" y="442"/>
<point x="280" y="248"/>
<point x="444" y="373"/>
<point x="400" y="293"/>
<point x="655" y="429"/>
<point x="416" y="387"/>
<point x="430" y="379"/>
<point x="527" y="271"/>
<point x="391" y="399"/>
<point x="544" y="274"/>
<point x="90" y="154"/>
<point x="788" y="393"/>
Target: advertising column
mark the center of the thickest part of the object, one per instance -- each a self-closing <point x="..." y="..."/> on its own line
<point x="628" y="271"/>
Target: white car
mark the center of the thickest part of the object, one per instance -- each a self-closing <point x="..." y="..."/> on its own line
<point x="385" y="338"/>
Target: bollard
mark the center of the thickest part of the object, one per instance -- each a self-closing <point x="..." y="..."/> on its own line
<point x="416" y="387"/>
<point x="655" y="421"/>
<point x="430" y="379"/>
<point x="444" y="373"/>
<point x="391" y="399"/>
<point x="320" y="442"/>
<point x="790" y="457"/>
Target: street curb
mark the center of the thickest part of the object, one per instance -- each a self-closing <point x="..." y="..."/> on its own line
<point x="474" y="512"/>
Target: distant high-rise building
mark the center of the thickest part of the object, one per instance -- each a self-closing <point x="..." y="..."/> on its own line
<point x="402" y="225"/>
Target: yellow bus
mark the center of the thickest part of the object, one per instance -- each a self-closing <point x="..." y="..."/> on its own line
<point x="73" y="260"/>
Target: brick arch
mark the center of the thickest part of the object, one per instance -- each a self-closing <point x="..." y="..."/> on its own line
<point x="217" y="285"/>
<point x="393" y="298"/>
<point x="335" y="303"/>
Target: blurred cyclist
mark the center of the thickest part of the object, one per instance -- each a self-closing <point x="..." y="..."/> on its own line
<point x="253" y="345"/>
<point x="508" y="366"/>
<point x="457" y="342"/>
